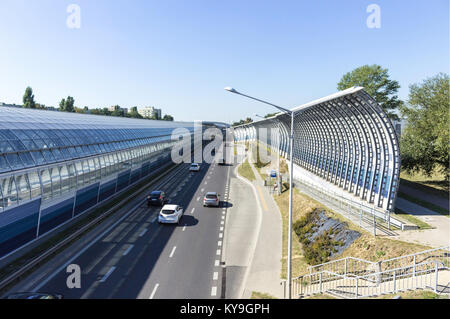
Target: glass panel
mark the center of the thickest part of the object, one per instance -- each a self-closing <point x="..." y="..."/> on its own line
<point x="48" y="156"/>
<point x="18" y="146"/>
<point x="46" y="184"/>
<point x="14" y="160"/>
<point x="80" y="174"/>
<point x="93" y="170"/>
<point x="86" y="172"/>
<point x="35" y="184"/>
<point x="9" y="191"/>
<point x="57" y="154"/>
<point x="23" y="187"/>
<point x="4" y="166"/>
<point x="26" y="159"/>
<point x="64" y="180"/>
<point x="5" y="147"/>
<point x="38" y="157"/>
<point x="72" y="177"/>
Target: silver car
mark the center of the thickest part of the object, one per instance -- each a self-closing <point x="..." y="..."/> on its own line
<point x="211" y="199"/>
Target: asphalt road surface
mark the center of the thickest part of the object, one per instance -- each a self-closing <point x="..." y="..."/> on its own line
<point x="138" y="258"/>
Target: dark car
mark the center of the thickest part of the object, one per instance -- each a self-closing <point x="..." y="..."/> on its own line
<point x="34" y="295"/>
<point x="157" y="198"/>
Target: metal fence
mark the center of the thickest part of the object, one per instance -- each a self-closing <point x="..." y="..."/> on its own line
<point x="355" y="278"/>
<point x="424" y="276"/>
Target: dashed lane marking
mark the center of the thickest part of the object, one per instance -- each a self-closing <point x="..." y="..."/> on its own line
<point x="128" y="250"/>
<point x="173" y="251"/>
<point x="154" y="291"/>
<point x="108" y="274"/>
<point x="143" y="232"/>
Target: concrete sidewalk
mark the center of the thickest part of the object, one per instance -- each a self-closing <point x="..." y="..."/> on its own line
<point x="437" y="237"/>
<point x="253" y="240"/>
<point x="265" y="273"/>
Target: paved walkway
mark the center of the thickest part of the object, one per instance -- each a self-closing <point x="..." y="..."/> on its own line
<point x="437" y="237"/>
<point x="265" y="274"/>
<point x="253" y="240"/>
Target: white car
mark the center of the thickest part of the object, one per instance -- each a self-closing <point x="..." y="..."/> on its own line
<point x="170" y="214"/>
<point x="194" y="167"/>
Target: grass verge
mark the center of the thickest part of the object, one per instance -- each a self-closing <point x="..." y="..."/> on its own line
<point x="260" y="295"/>
<point x="410" y="218"/>
<point x="245" y="170"/>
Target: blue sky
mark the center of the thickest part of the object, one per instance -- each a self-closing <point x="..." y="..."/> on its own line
<point x="179" y="55"/>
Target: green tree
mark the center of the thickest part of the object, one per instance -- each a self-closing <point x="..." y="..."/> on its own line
<point x="134" y="113"/>
<point x="270" y="115"/>
<point x="376" y="82"/>
<point x="28" y="98"/>
<point x="167" y="117"/>
<point x="118" y="111"/>
<point x="67" y="105"/>
<point x="425" y="140"/>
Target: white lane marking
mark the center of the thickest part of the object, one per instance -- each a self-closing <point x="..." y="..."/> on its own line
<point x="206" y="183"/>
<point x="108" y="274"/>
<point x="128" y="250"/>
<point x="143" y="232"/>
<point x="202" y="190"/>
<point x="222" y="222"/>
<point x="213" y="291"/>
<point x="46" y="280"/>
<point x="223" y="213"/>
<point x="215" y="275"/>
<point x="173" y="251"/>
<point x="216" y="263"/>
<point x="198" y="198"/>
<point x="154" y="291"/>
<point x="218" y="252"/>
<point x="219" y="243"/>
<point x="184" y="228"/>
<point x="221" y="228"/>
<point x="192" y="211"/>
<point x="154" y="219"/>
<point x="220" y="235"/>
<point x="223" y="217"/>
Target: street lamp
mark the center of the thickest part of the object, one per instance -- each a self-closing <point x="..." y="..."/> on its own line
<point x="291" y="174"/>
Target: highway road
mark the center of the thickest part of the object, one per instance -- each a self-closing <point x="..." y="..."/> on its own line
<point x="138" y="258"/>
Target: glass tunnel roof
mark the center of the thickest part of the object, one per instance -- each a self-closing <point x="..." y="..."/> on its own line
<point x="31" y="137"/>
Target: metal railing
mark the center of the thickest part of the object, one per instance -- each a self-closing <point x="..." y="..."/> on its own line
<point x="422" y="276"/>
<point x="353" y="277"/>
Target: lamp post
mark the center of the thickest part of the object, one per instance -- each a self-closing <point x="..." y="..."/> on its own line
<point x="291" y="174"/>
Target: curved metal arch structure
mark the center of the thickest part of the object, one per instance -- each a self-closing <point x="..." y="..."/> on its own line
<point x="345" y="139"/>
